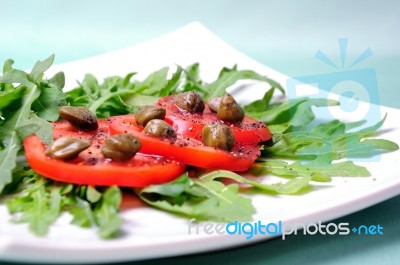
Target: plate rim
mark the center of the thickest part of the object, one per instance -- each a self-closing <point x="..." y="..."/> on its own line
<point x="9" y="247"/>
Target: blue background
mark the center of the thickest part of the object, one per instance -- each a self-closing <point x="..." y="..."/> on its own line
<point x="284" y="35"/>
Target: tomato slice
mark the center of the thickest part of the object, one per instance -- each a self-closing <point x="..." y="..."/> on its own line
<point x="248" y="131"/>
<point x="187" y="150"/>
<point x="92" y="168"/>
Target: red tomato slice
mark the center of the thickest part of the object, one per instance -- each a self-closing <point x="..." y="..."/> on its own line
<point x="187" y="150"/>
<point x="248" y="131"/>
<point x="92" y="168"/>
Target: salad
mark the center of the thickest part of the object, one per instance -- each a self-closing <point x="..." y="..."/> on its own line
<point x="184" y="168"/>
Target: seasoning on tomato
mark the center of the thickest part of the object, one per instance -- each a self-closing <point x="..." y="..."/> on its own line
<point x="190" y="151"/>
<point x="90" y="167"/>
<point x="246" y="130"/>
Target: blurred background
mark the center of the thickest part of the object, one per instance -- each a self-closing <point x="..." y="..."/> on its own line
<point x="284" y="35"/>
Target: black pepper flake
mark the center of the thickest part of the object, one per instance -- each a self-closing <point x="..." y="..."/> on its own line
<point x="92" y="160"/>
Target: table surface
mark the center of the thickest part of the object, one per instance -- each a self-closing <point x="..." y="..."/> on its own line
<point x="284" y="35"/>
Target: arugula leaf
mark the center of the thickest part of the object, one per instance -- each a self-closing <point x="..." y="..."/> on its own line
<point x="290" y="187"/>
<point x="321" y="170"/>
<point x="11" y="97"/>
<point x="20" y="108"/>
<point x="14" y="76"/>
<point x="294" y="112"/>
<point x="58" y="80"/>
<point x="228" y="77"/>
<point x="203" y="199"/>
<point x="331" y="139"/>
<point x="381" y="144"/>
<point x="39" y="207"/>
<point x="192" y="73"/>
<point x="82" y="213"/>
<point x="39" y="68"/>
<point x="91" y="87"/>
<point x="7" y="66"/>
<point x="44" y="129"/>
<point x="153" y="83"/>
<point x="206" y="198"/>
<point x="192" y="81"/>
<point x="119" y="95"/>
<point x="51" y="98"/>
<point x="41" y="201"/>
<point x="9" y="137"/>
<point x="91" y="207"/>
<point x="102" y="99"/>
<point x="262" y="104"/>
<point x="92" y="194"/>
<point x="106" y="212"/>
<point x="289" y="121"/>
<point x="172" y="84"/>
<point x="137" y="100"/>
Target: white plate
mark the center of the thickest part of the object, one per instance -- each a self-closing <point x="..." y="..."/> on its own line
<point x="150" y="233"/>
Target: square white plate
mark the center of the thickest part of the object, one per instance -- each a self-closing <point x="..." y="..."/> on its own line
<point x="150" y="233"/>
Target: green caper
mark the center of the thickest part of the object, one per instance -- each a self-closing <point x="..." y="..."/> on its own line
<point x="214" y="103"/>
<point x="218" y="135"/>
<point x="121" y="147"/>
<point x="159" y="128"/>
<point x="79" y="117"/>
<point x="190" y="101"/>
<point x="229" y="110"/>
<point x="147" y="113"/>
<point x="67" y="148"/>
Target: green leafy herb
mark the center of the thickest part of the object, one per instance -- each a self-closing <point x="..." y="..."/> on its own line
<point x="331" y="139"/>
<point x="228" y="77"/>
<point x="290" y="187"/>
<point x="203" y="199"/>
<point x="28" y="101"/>
<point x="41" y="201"/>
<point x="106" y="213"/>
<point x="119" y="95"/>
<point x="39" y="207"/>
<point x="320" y="170"/>
<point x="24" y="110"/>
<point x="207" y="198"/>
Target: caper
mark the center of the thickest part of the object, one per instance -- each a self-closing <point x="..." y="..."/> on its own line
<point x="214" y="103"/>
<point x="67" y="148"/>
<point x="147" y="113"/>
<point x="79" y="117"/>
<point x="121" y="147"/>
<point x="218" y="135"/>
<point x="229" y="110"/>
<point x="159" y="128"/>
<point x="190" y="101"/>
